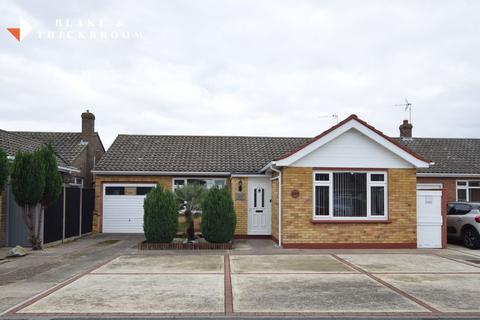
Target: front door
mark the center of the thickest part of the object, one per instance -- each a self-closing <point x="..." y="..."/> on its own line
<point x="259" y="206"/>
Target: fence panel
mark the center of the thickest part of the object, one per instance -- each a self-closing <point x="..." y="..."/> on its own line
<point x="88" y="205"/>
<point x="53" y="221"/>
<point x="17" y="232"/>
<point x="72" y="212"/>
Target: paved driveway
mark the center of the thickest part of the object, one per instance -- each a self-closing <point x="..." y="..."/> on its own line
<point x="267" y="285"/>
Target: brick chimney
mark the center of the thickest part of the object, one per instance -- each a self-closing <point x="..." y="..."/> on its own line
<point x="88" y="125"/>
<point x="88" y="136"/>
<point x="405" y="129"/>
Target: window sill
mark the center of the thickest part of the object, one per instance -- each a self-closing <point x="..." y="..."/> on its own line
<point x="333" y="221"/>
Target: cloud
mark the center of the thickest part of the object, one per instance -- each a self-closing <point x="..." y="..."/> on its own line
<point x="244" y="67"/>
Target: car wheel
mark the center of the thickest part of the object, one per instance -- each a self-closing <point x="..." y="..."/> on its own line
<point x="471" y="238"/>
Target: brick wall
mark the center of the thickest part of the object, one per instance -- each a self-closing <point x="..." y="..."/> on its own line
<point x="298" y="230"/>
<point x="450" y="184"/>
<point x="240" y="203"/>
<point x="275" y="208"/>
<point x="100" y="180"/>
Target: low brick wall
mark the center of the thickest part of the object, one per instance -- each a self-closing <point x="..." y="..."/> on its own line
<point x="185" y="246"/>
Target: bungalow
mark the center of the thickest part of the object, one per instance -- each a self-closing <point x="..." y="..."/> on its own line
<point x="349" y="187"/>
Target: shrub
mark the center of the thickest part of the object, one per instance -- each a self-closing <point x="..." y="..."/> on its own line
<point x="160" y="219"/>
<point x="218" y="216"/>
<point x="28" y="186"/>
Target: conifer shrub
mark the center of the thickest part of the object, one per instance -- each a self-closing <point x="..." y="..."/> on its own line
<point x="218" y="216"/>
<point x="160" y="218"/>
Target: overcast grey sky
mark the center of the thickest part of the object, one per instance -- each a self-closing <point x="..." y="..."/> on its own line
<point x="271" y="68"/>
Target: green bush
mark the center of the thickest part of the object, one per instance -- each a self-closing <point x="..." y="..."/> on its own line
<point x="218" y="216"/>
<point x="160" y="218"/>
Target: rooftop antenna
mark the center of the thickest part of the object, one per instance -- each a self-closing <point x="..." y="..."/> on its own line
<point x="408" y="106"/>
<point x="335" y="116"/>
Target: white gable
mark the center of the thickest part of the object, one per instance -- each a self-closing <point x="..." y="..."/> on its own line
<point x="354" y="144"/>
<point x="352" y="149"/>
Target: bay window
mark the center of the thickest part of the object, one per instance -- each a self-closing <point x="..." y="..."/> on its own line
<point x="350" y="195"/>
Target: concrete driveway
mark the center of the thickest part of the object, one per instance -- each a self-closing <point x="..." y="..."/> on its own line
<point x="352" y="284"/>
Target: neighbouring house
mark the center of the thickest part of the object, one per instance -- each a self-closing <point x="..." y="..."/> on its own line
<point x="456" y="166"/>
<point x="76" y="154"/>
<point x="349" y="187"/>
<point x="78" y="149"/>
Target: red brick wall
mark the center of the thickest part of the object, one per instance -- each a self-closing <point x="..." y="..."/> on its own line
<point x="448" y="183"/>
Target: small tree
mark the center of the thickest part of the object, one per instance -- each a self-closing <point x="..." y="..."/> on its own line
<point x="3" y="169"/>
<point x="28" y="185"/>
<point x="218" y="216"/>
<point x="160" y="218"/>
<point x="53" y="183"/>
<point x="189" y="198"/>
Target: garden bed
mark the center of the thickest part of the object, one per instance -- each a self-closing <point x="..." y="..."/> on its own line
<point x="178" y="244"/>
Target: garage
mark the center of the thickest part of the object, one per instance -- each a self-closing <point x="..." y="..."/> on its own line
<point x="123" y="207"/>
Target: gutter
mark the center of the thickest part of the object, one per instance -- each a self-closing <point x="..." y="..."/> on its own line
<point x="60" y="168"/>
<point x="448" y="175"/>
<point x="159" y="173"/>
<point x="279" y="177"/>
<point x="68" y="169"/>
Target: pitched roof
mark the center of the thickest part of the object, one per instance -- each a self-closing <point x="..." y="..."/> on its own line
<point x="451" y="155"/>
<point x="66" y="144"/>
<point x="348" y="123"/>
<point x="12" y="143"/>
<point x="165" y="153"/>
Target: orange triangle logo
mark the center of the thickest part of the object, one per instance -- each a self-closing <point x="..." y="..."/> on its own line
<point x="15" y="32"/>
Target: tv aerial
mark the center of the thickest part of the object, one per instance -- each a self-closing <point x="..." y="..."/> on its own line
<point x="335" y="116"/>
<point x="408" y="106"/>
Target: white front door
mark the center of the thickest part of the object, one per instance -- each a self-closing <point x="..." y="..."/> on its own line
<point x="429" y="218"/>
<point x="259" y="206"/>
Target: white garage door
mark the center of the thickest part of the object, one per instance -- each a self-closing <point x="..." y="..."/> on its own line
<point x="123" y="207"/>
<point x="429" y="218"/>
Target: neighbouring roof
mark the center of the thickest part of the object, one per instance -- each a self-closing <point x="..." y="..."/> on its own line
<point x="68" y="145"/>
<point x="450" y="155"/>
<point x="12" y="143"/>
<point x="165" y="153"/>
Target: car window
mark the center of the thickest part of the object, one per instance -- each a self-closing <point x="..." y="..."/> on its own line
<point x="451" y="209"/>
<point x="462" y="209"/>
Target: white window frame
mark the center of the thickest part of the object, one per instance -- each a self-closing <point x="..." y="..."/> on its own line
<point x="466" y="187"/>
<point x="199" y="178"/>
<point x="370" y="184"/>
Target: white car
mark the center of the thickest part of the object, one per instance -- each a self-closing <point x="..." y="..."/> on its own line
<point x="463" y="222"/>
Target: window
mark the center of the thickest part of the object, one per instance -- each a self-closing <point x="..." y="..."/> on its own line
<point x="127" y="191"/>
<point x="350" y="195"/>
<point x="468" y="191"/>
<point x="459" y="209"/>
<point x="206" y="183"/>
<point x="115" y="191"/>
